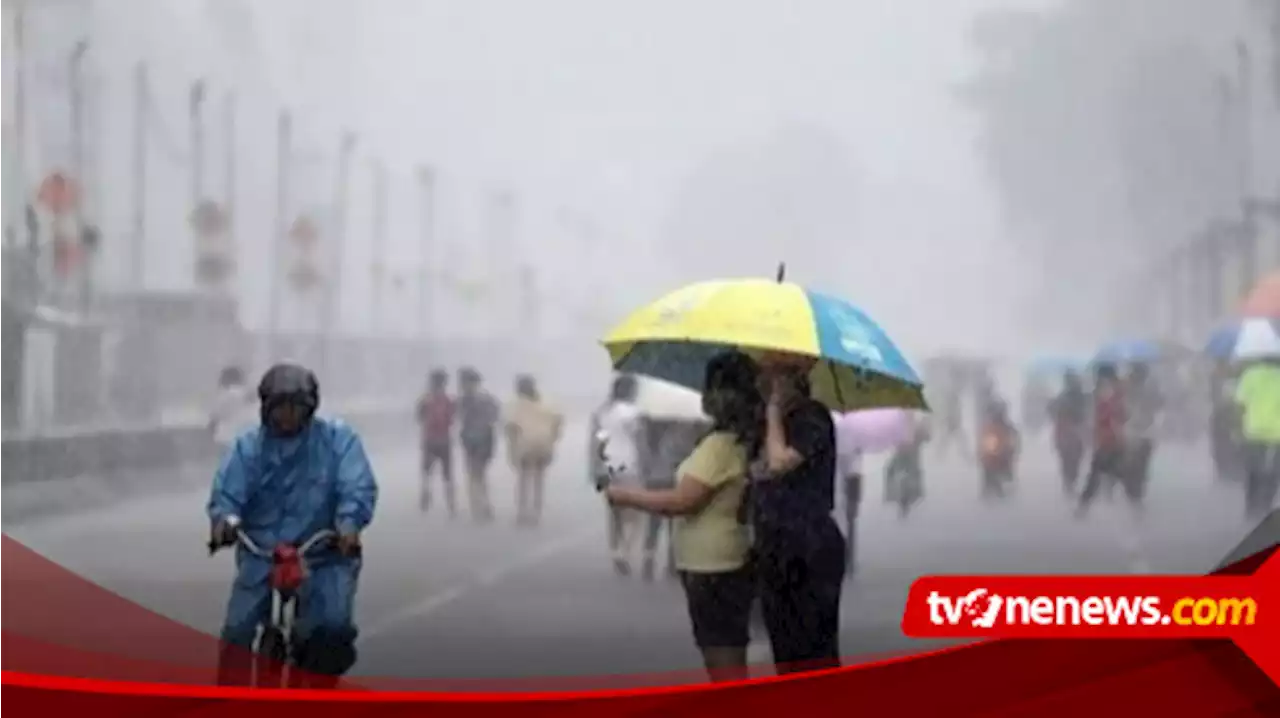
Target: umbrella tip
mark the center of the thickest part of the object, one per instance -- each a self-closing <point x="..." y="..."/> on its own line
<point x="782" y="271"/>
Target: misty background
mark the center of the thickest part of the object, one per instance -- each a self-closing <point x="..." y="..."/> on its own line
<point x="982" y="177"/>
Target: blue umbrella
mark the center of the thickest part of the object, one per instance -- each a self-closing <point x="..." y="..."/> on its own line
<point x="1222" y="341"/>
<point x="1127" y="351"/>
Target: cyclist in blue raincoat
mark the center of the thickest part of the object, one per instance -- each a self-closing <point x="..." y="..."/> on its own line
<point x="291" y="476"/>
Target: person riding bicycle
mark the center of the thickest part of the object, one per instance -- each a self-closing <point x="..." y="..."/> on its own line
<point x="282" y="481"/>
<point x="998" y="448"/>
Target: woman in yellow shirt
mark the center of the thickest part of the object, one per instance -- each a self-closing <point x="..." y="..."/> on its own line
<point x="711" y="544"/>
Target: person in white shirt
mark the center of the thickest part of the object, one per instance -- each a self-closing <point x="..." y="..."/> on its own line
<point x="849" y="478"/>
<point x="618" y="427"/>
<point x="233" y="407"/>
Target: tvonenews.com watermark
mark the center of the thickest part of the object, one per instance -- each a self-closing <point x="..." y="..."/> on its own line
<point x="981" y="608"/>
<point x="1093" y="606"/>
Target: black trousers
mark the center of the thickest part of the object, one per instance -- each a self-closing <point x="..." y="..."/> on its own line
<point x="852" y="502"/>
<point x="1107" y="464"/>
<point x="800" y="599"/>
<point x="1139" y="469"/>
<point x="1264" y="479"/>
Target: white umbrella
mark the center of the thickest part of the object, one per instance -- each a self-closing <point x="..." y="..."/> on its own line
<point x="663" y="400"/>
<point x="1258" y="339"/>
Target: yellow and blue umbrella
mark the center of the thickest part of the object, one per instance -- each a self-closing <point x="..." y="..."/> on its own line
<point x="674" y="338"/>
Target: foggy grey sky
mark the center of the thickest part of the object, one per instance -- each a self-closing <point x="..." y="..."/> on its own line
<point x="603" y="108"/>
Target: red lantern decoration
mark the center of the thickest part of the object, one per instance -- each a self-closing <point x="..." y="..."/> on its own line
<point x="59" y="194"/>
<point x="304" y="232"/>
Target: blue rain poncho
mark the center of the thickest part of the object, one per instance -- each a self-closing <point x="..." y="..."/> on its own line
<point x="285" y="490"/>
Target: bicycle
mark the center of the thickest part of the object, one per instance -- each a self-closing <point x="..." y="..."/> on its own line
<point x="276" y="651"/>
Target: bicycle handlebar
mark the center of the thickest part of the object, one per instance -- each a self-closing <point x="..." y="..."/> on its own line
<point x="304" y="548"/>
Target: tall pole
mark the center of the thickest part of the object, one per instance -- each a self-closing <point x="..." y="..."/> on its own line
<point x="195" y="122"/>
<point x="75" y="73"/>
<point x="379" y="245"/>
<point x="197" y="141"/>
<point x="20" y="112"/>
<point x="229" y="176"/>
<point x="138" y="259"/>
<point x="284" y="153"/>
<point x="1248" y="239"/>
<point x="426" y="252"/>
<point x="333" y="297"/>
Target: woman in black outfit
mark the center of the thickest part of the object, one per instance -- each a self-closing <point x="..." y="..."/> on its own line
<point x="799" y="550"/>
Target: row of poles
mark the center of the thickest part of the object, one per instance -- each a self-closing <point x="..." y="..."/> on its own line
<point x="326" y="302"/>
<point x="149" y="124"/>
<point x="1201" y="277"/>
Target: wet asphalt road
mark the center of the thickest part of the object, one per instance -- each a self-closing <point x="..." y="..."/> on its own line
<point x="452" y="599"/>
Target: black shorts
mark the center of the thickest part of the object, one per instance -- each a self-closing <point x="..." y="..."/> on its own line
<point x="720" y="606"/>
<point x="438" y="453"/>
<point x="479" y="451"/>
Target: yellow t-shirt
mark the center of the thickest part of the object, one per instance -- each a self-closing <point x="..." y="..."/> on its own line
<point x="535" y="427"/>
<point x="1258" y="394"/>
<point x="712" y="540"/>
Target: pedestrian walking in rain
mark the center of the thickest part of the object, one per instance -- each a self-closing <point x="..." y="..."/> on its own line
<point x="1108" y="460"/>
<point x="1069" y="412"/>
<point x="436" y="413"/>
<point x="533" y="430"/>
<point x="1258" y="395"/>
<point x="232" y="407"/>
<point x="618" y="450"/>
<point x="478" y="416"/>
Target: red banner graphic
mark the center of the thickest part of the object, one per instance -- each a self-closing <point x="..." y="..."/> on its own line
<point x="59" y="655"/>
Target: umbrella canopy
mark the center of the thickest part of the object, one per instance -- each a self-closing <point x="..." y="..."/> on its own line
<point x="1258" y="339"/>
<point x="1127" y="351"/>
<point x="665" y="401"/>
<point x="1223" y="341"/>
<point x="857" y="367"/>
<point x="875" y="430"/>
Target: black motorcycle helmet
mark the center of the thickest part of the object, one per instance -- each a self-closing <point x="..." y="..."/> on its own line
<point x="288" y="385"/>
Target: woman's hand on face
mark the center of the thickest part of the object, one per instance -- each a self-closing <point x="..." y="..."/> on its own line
<point x="782" y="391"/>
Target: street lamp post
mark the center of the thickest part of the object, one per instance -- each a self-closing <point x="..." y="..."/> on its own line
<point x="333" y="295"/>
<point x="427" y="254"/>
<point x="76" y="97"/>
<point x="138" y="244"/>
<point x="379" y="246"/>
<point x="284" y="143"/>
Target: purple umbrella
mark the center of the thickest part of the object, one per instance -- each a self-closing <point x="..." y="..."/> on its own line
<point x="874" y="430"/>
